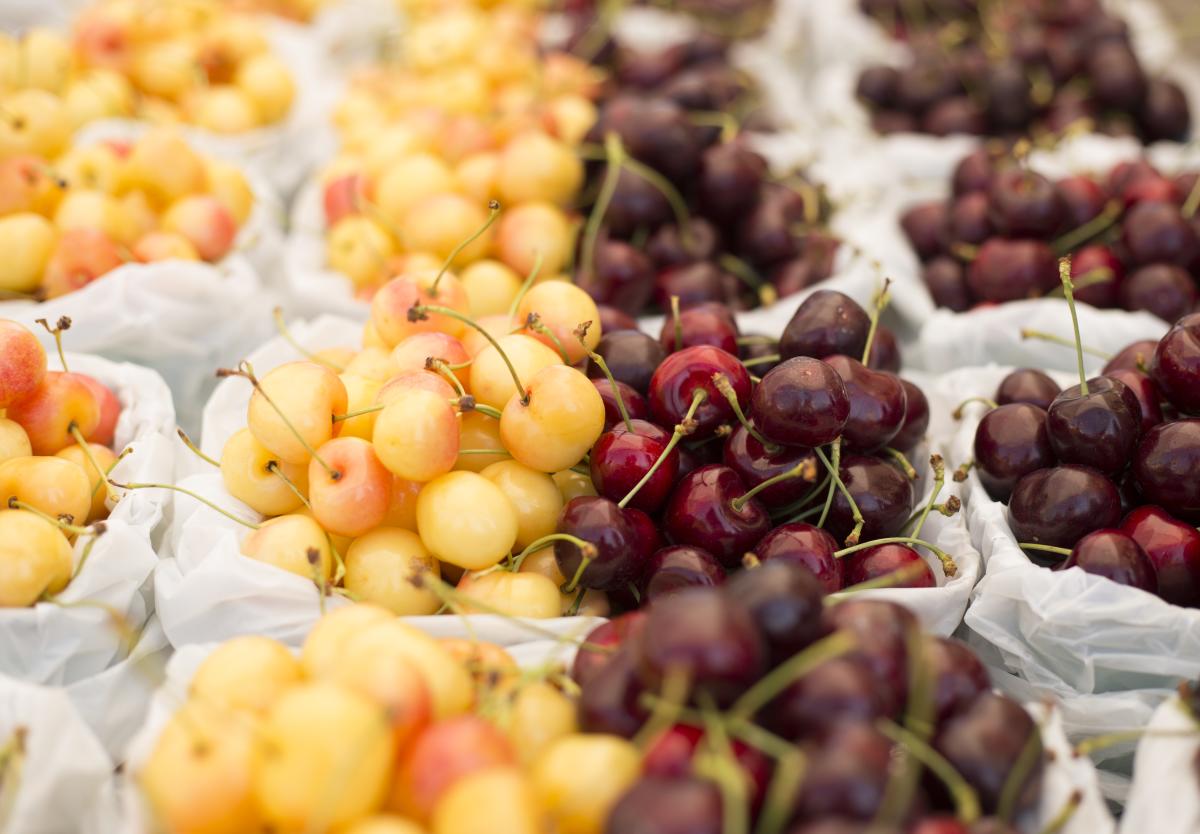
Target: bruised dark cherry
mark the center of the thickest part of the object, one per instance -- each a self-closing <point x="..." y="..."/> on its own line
<point x="674" y="568"/>
<point x="1027" y="385"/>
<point x="807" y="547"/>
<point x="1116" y="556"/>
<point x="1060" y="505"/>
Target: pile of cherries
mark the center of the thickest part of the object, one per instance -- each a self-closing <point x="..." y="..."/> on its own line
<point x="1016" y="68"/>
<point x="1134" y="236"/>
<point x="774" y="669"/>
<point x="710" y="223"/>
<point x="715" y="467"/>
<point x="1105" y="473"/>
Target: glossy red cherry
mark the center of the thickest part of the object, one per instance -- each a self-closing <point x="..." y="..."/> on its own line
<point x="1099" y="429"/>
<point x="885" y="351"/>
<point x="1135" y="357"/>
<point x="884" y="560"/>
<point x="1155" y="232"/>
<point x="681" y="374"/>
<point x="883" y="493"/>
<point x="1027" y="385"/>
<point x="958" y="675"/>
<point x="709" y="323"/>
<point x="1175" y="364"/>
<point x="1024" y="204"/>
<point x="826" y="323"/>
<point x="1165" y="466"/>
<point x="674" y="568"/>
<point x="621" y="458"/>
<point x="635" y="404"/>
<point x="838" y="690"/>
<point x="612" y="319"/>
<point x="882" y="630"/>
<point x="786" y="602"/>
<point x="1098" y="275"/>
<point x="1061" y="505"/>
<point x="1012" y="269"/>
<point x="801" y="402"/>
<point x="765" y="235"/>
<point x="1115" y="556"/>
<point x="916" y="418"/>
<point x="877" y="405"/>
<point x="672" y="755"/>
<point x="967" y="221"/>
<point x="755" y="463"/>
<point x="631" y="356"/>
<point x="707" y="510"/>
<point x="1173" y="548"/>
<point x="602" y="642"/>
<point x="1147" y="392"/>
<point x="610" y="700"/>
<point x="807" y="547"/>
<point x="600" y="522"/>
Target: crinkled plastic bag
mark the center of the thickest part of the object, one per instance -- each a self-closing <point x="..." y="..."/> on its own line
<point x="1165" y="798"/>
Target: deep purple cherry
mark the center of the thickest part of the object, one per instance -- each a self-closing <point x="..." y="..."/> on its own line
<point x="1060" y="505"/>
<point x="708" y="509"/>
<point x="674" y="568"/>
<point x="958" y="675"/>
<point x="1027" y="385"/>
<point x="807" y="547"/>
<point x="826" y="323"/>
<point x="883" y="630"/>
<point x="877" y="404"/>
<point x="801" y="402"/>
<point x="621" y="458"/>
<point x="886" y="559"/>
<point x="655" y="805"/>
<point x="1165" y="466"/>
<point x="1010" y="442"/>
<point x="1012" y="269"/>
<point x="631" y="356"/>
<point x="1024" y="204"/>
<point x="916" y="418"/>
<point x="1175" y="364"/>
<point x="786" y="601"/>
<point x="635" y="404"/>
<point x="601" y="523"/>
<point x="1115" y="555"/>
<point x="755" y="463"/>
<point x="1098" y="427"/>
<point x="841" y="689"/>
<point x="883" y="493"/>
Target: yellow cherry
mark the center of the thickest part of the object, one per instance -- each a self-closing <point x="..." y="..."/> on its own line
<point x="381" y="566"/>
<point x="35" y="559"/>
<point x="579" y="778"/>
<point x="327" y="640"/>
<point x="246" y="674"/>
<point x="290" y="542"/>
<point x="533" y="495"/>
<point x="561" y="421"/>
<point x="473" y="540"/>
<point x="258" y="478"/>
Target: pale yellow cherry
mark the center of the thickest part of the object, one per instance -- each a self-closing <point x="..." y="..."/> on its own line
<point x="573" y="116"/>
<point x="98" y="94"/>
<point x="392" y="681"/>
<point x="476" y="175"/>
<point x="205" y="222"/>
<point x="491" y="381"/>
<point x="268" y="83"/>
<point x="14" y="442"/>
<point x="325" y="759"/>
<point x="308" y="396"/>
<point x="416" y="436"/>
<point x="383" y="824"/>
<point x="479" y="431"/>
<point x="579" y="778"/>
<point x="573" y="484"/>
<point x="166" y="68"/>
<point x="490" y="286"/>
<point x="473" y="540"/>
<point x="562" y="308"/>
<point x="259" y="479"/>
<point x="534" y="166"/>
<point x="371" y="337"/>
<point x="246" y="674"/>
<point x="35" y="559"/>
<point x="91" y="167"/>
<point x="29" y="240"/>
<point x="510" y="594"/>
<point x="294" y="543"/>
<point x="440" y="223"/>
<point x="163" y="165"/>
<point x="496" y="326"/>
<point x="101" y="455"/>
<point x="34" y="122"/>
<point x="348" y="488"/>
<point x="200" y="777"/>
<point x="54" y="485"/>
<point x="86" y="209"/>
<point x="542" y="561"/>
<point x="530" y="230"/>
<point x="374" y="363"/>
<point x="563" y="417"/>
<point x="390" y="144"/>
<point x="361" y="392"/>
<point x="326" y="642"/>
<point x="236" y="37"/>
<point x="534" y="496"/>
<point x="409" y="181"/>
<point x="381" y="566"/>
<point x="163" y="246"/>
<point x="223" y="108"/>
<point x="450" y="687"/>
<point x="46" y="60"/>
<point x="230" y="187"/>
<point x="339" y="543"/>
<point x="336" y="358"/>
<point x="537" y="715"/>
<point x="359" y="248"/>
<point x="402" y="512"/>
<point x="142" y="212"/>
<point x="497" y="800"/>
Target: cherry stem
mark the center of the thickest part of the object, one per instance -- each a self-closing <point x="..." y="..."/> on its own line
<point x="587" y="548"/>
<point x="677" y="322"/>
<point x="525" y="285"/>
<point x="349" y="415"/>
<point x="281" y="326"/>
<point x="1192" y="203"/>
<point x="498" y="452"/>
<point x="1075" y="238"/>
<point x="493" y="213"/>
<point x="190" y="444"/>
<point x="715" y="118"/>
<point x="1011" y="792"/>
<point x="805" y="469"/>
<point x="191" y="494"/>
<point x="961" y="473"/>
<point x="957" y="414"/>
<point x="685" y="427"/>
<point x="881" y="301"/>
<point x="1027" y="333"/>
<point x="948" y="565"/>
<point x="723" y="769"/>
<point x="1064" y="815"/>
<point x="837" y="463"/>
<point x="725" y="388"/>
<point x="616" y="389"/>
<point x="91" y="458"/>
<point x="855" y="514"/>
<point x="762" y="360"/>
<point x="939" y="480"/>
<point x="1064" y="274"/>
<point x="902" y="459"/>
<point x="966" y="801"/>
<point x="888" y="580"/>
<point x="570" y="587"/>
<point x="534" y="322"/>
<point x="614" y="153"/>
<point x="770" y="685"/>
<point x="781" y="792"/>
<point x="65" y="523"/>
<point x="799" y="505"/>
<point x="274" y="468"/>
<point x="1045" y="548"/>
<point x="666" y="708"/>
<point x="766" y="292"/>
<point x="419" y="311"/>
<point x="467" y="403"/>
<point x="668" y="190"/>
<point x="439" y="366"/>
<point x="60" y="327"/>
<point x="756" y="340"/>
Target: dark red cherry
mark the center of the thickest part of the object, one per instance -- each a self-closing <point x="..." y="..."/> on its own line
<point x="1099" y="429"/>
<point x="630" y="355"/>
<point x="668" y="247"/>
<point x="947" y="282"/>
<point x="1173" y="548"/>
<point x="916" y="418"/>
<point x="612" y="319"/>
<point x="765" y="235"/>
<point x="985" y="742"/>
<point x="610" y="700"/>
<point x="730" y="178"/>
<point x="636" y="204"/>
<point x="1165" y="290"/>
<point x="602" y="523"/>
<point x="967" y="220"/>
<point x="1010" y="95"/>
<point x="785" y="600"/>
<point x="693" y="457"/>
<point x="694" y="283"/>
<point x="883" y="493"/>
<point x="883" y="630"/>
<point x="635" y="403"/>
<point x="800" y="273"/>
<point x="1115" y="555"/>
<point x="974" y="172"/>
<point x="1134" y="357"/>
<point x="623" y="277"/>
<point x="656" y="131"/>
<point x="885" y="351"/>
<point x="877" y="405"/>
<point x="1174" y="362"/>
<point x="958" y="675"/>
<point x="646" y="536"/>
<point x="1165" y="114"/>
<point x="922" y="84"/>
<point x="672" y="755"/>
<point x="1082" y="199"/>
<point x="1027" y="385"/>
<point x="1124" y="174"/>
<point x="1151" y="189"/>
<point x="1010" y="442"/>
<point x="672" y="569"/>
<point x="801" y="402"/>
<point x="602" y="642"/>
<point x="924" y="226"/>
<point x="1061" y="505"/>
<point x="675" y="381"/>
<point x="755" y="463"/>
<point x="807" y="547"/>
<point x="842" y="689"/>
<point x="1154" y="232"/>
<point x="1116" y="76"/>
<point x="887" y="122"/>
<point x="1148" y="394"/>
<point x="957" y="114"/>
<point x="1165" y="466"/>
<point x="647" y="69"/>
<point x="1022" y="203"/>
<point x="709" y="323"/>
<point x="1010" y="270"/>
<point x="702" y="512"/>
<point x="758" y="347"/>
<point x="825" y="324"/>
<point x="877" y="85"/>
<point x="667" y="806"/>
<point x="1098" y="275"/>
<point x="706" y="635"/>
<point x="884" y="560"/>
<point x="621" y="458"/>
<point x="847" y="776"/>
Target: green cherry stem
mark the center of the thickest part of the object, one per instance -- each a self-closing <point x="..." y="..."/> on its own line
<point x="1064" y="274"/>
<point x="902" y="459"/>
<point x="274" y="468"/>
<point x="587" y="548"/>
<point x="837" y="463"/>
<point x="881" y="301"/>
<point x="1044" y="548"/>
<point x="281" y="326"/>
<point x="966" y="801"/>
<point x="670" y="192"/>
<point x="439" y="366"/>
<point x="1064" y="815"/>
<point x="725" y="388"/>
<point x="957" y="414"/>
<point x="888" y="580"/>
<point x="1028" y="333"/>
<point x="855" y="513"/>
<point x="493" y="213"/>
<point x="685" y="427"/>
<point x="781" y="792"/>
<point x="948" y="565"/>
<point x="421" y="311"/>
<point x="1027" y="759"/>
<point x="91" y="458"/>
<point x="678" y="324"/>
<point x="525" y="285"/>
<point x="762" y="360"/>
<point x="534" y="322"/>
<point x="615" y="154"/>
<point x="194" y="495"/>
<point x="1075" y="238"/>
<point x="191" y="445"/>
<point x="1192" y="202"/>
<point x="785" y="674"/>
<point x="569" y="588"/>
<point x="805" y="469"/>
<point x="60" y="327"/>
<point x="939" y="481"/>
<point x="349" y="415"/>
<point x="65" y="523"/>
<point x="603" y="366"/>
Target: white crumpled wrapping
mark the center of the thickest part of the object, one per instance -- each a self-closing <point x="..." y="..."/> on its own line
<point x="63" y="781"/>
<point x="1165" y="797"/>
<point x="1110" y="653"/>
<point x="77" y="644"/>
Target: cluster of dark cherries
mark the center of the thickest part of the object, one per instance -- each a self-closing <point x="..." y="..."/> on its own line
<point x="710" y="223"/>
<point x="715" y="467"/>
<point x="1134" y="237"/>
<point x="1017" y="68"/>
<point x="774" y="671"/>
<point x="1105" y="472"/>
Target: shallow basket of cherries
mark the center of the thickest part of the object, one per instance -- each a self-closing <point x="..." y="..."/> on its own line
<point x="1133" y="236"/>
